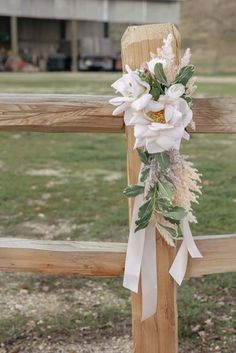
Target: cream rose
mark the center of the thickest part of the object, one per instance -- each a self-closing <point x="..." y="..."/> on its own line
<point x="135" y="94"/>
<point x="175" y="91"/>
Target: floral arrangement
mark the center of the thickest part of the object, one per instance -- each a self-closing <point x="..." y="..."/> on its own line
<point x="157" y="101"/>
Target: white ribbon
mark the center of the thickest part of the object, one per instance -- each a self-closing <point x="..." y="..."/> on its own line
<point x="141" y="258"/>
<point x="179" y="266"/>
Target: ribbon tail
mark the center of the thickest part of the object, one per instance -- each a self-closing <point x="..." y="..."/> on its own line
<point x="149" y="273"/>
<point x="134" y="253"/>
<point x="188" y="239"/>
<point x="179" y="266"/>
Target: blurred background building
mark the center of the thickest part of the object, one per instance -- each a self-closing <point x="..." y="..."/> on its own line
<point x="72" y="34"/>
<point x="64" y="35"/>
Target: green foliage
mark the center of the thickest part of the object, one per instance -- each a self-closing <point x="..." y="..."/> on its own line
<point x="185" y="74"/>
<point x="144" y="174"/>
<point x="173" y="231"/>
<point x="143" y="155"/>
<point x="156" y="89"/>
<point x="146" y="211"/>
<point x="160" y="74"/>
<point x="133" y="190"/>
<point x="159" y="197"/>
<point x="164" y="191"/>
<point x="175" y="214"/>
<point x="163" y="159"/>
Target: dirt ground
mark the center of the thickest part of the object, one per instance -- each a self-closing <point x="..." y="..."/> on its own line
<point x="54" y="314"/>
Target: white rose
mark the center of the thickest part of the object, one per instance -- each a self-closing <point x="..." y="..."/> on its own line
<point x="175" y="91"/>
<point x="161" y="126"/>
<point x="152" y="63"/>
<point x="130" y="85"/>
<point x="135" y="94"/>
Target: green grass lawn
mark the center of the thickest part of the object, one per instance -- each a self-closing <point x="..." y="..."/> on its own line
<point x="69" y="186"/>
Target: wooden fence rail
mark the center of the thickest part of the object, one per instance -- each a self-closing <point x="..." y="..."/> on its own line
<point x="105" y="259"/>
<point x="72" y="113"/>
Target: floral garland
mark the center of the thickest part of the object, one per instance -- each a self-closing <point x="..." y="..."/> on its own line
<point x="157" y="101"/>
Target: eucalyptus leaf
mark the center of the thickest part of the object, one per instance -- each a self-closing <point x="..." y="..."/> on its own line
<point x="160" y="74"/>
<point x="143" y="155"/>
<point x="185" y="74"/>
<point x="133" y="190"/>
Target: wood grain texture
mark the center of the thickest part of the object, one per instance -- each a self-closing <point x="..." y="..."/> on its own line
<point x="219" y="255"/>
<point x="105" y="259"/>
<point x="61" y="257"/>
<point x="74" y="113"/>
<point x="58" y="113"/>
<point x="158" y="334"/>
<point x="216" y="114"/>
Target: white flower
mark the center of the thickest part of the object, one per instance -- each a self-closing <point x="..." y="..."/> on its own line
<point x="135" y="94"/>
<point x="175" y="91"/>
<point x="160" y="126"/>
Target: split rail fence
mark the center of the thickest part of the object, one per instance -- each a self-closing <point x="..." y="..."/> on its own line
<point x="73" y="113"/>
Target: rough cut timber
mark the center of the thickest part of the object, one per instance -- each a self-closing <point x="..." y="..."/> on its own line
<point x="105" y="259"/>
<point x="73" y="113"/>
<point x="159" y="333"/>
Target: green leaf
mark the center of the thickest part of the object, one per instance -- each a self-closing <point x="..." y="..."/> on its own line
<point x="146" y="210"/>
<point x="144" y="214"/>
<point x="177" y="213"/>
<point x="160" y="74"/>
<point x="163" y="204"/>
<point x="185" y="74"/>
<point x="133" y="190"/>
<point x="145" y="77"/>
<point x="151" y="192"/>
<point x="188" y="99"/>
<point x="164" y="191"/>
<point x="155" y="92"/>
<point x="141" y="225"/>
<point x="163" y="159"/>
<point x="143" y="155"/>
<point x="156" y="89"/>
<point x="144" y="174"/>
<point x="172" y="221"/>
<point x="173" y="232"/>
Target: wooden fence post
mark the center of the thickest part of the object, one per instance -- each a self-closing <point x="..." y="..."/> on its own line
<point x="159" y="334"/>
